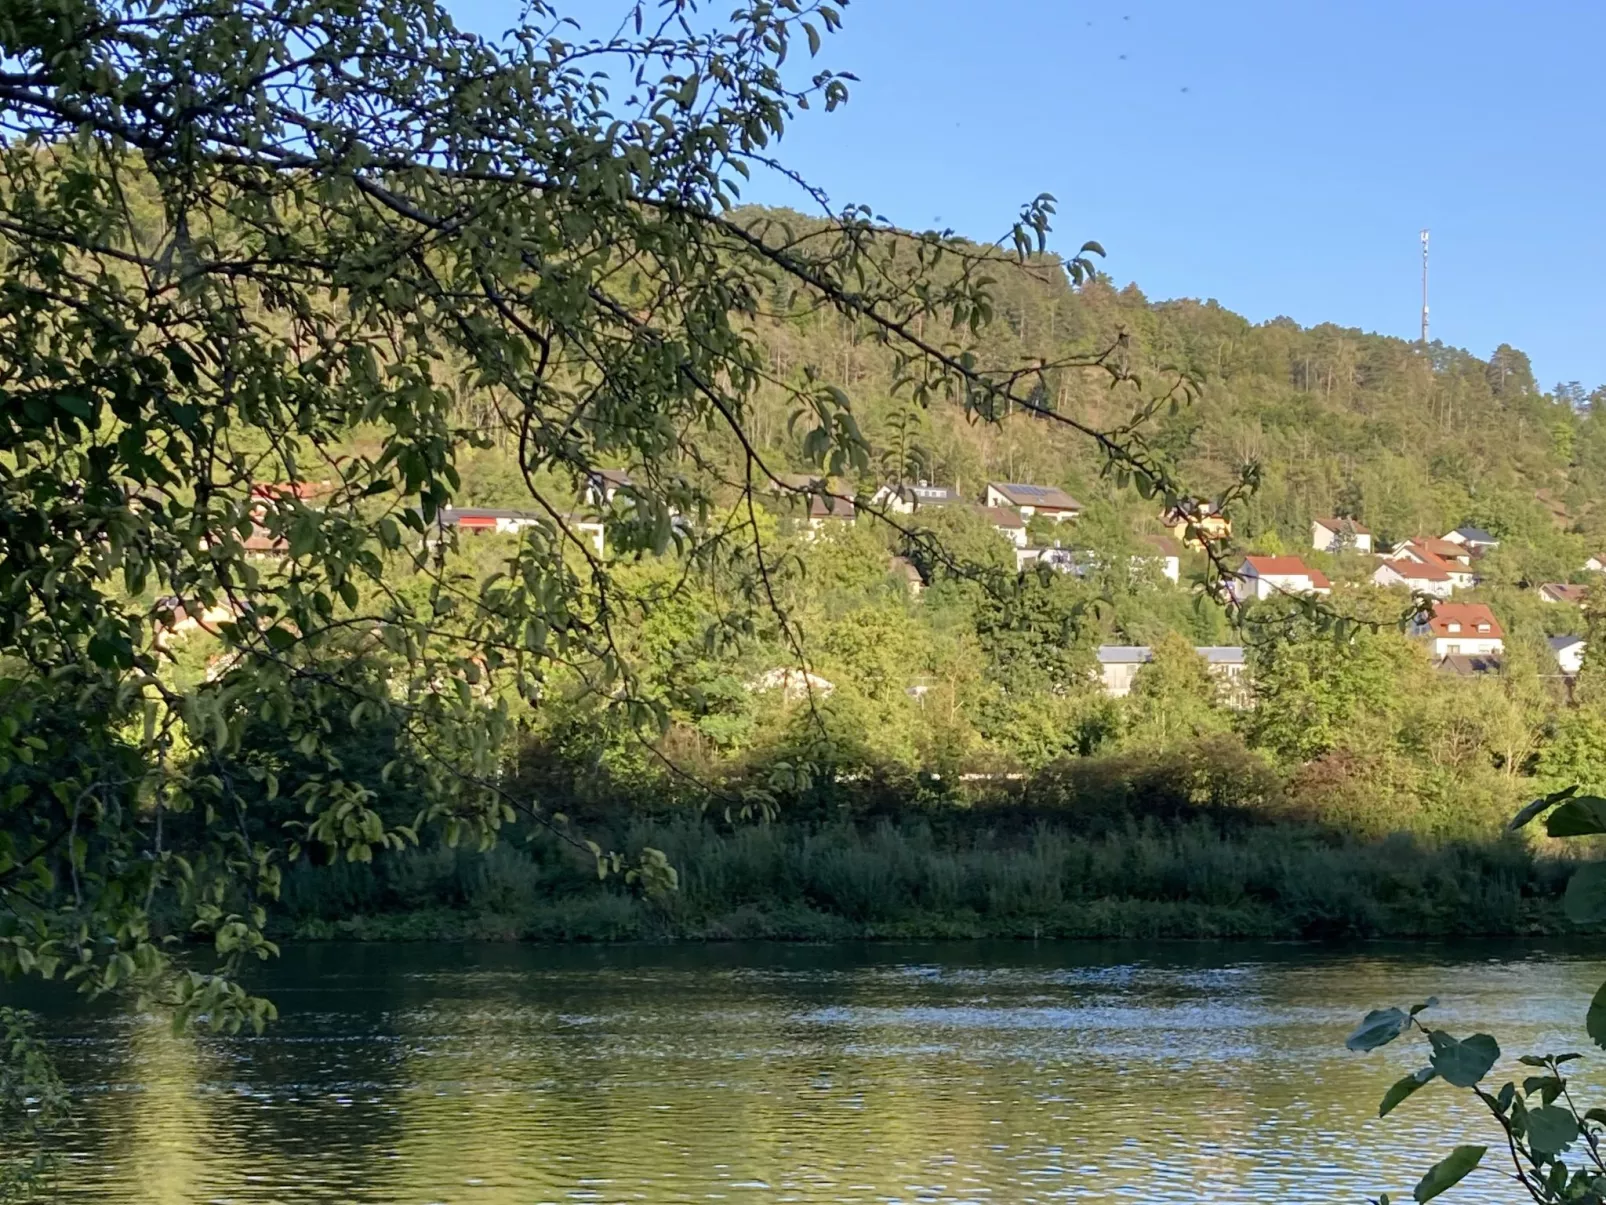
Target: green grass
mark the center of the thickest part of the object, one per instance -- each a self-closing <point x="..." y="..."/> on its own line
<point x="916" y="879"/>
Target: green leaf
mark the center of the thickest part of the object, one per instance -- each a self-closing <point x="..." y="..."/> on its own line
<point x="1533" y="809"/>
<point x="1403" y="1088"/>
<point x="1584" y="816"/>
<point x="1463" y="1063"/>
<point x="1585" y="901"/>
<point x="1551" y="1130"/>
<point x="1595" y="1019"/>
<point x="1378" y="1028"/>
<point x="1448" y="1172"/>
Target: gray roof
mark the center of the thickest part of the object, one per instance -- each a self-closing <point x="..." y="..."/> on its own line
<point x="1125" y="654"/>
<point x="1050" y="496"/>
<point x="1476" y="535"/>
<point x="1558" y="643"/>
<point x="1141" y="654"/>
<point x="1468" y="664"/>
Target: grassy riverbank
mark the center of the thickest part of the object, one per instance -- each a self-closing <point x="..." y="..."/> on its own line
<point x="916" y="879"/>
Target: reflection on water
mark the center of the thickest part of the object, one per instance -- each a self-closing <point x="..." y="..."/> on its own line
<point x="930" y="1074"/>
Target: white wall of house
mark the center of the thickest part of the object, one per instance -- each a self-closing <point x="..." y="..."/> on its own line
<point x="1470" y="643"/>
<point x="1323" y="538"/>
<point x="1253" y="585"/>
<point x="1015" y="535"/>
<point x="1387" y="575"/>
<point x="1570" y="657"/>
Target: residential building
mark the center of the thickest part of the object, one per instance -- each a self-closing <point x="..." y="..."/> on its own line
<point x="1119" y="665"/>
<point x="1419" y="577"/>
<point x="793" y="683"/>
<point x="906" y="571"/>
<point x="1047" y="500"/>
<point x="1453" y="559"/>
<point x="602" y="484"/>
<point x="1470" y="665"/>
<point x="1165" y="555"/>
<point x="1564" y="592"/>
<point x="1469" y="628"/>
<point x="480" y="519"/>
<point x="1261" y="577"/>
<point x="1474" y="539"/>
<point x="1196" y="523"/>
<point x="1009" y="523"/>
<point x="1339" y="535"/>
<point x="827" y="508"/>
<point x="1230" y="668"/>
<point x="172" y="617"/>
<point x="1569" y="653"/>
<point x="906" y="499"/>
<point x="1596" y="563"/>
<point x="1447" y="551"/>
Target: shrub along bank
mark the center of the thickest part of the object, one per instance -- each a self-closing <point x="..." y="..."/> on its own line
<point x="915" y="878"/>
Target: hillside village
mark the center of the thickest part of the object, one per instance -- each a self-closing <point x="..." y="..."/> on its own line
<point x="1039" y="524"/>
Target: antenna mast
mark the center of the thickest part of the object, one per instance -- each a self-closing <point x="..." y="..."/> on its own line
<point x="1424" y="289"/>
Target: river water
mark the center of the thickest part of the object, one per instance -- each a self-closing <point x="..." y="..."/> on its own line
<point x="930" y="1074"/>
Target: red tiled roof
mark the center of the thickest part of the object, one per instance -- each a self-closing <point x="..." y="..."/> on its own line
<point x="1447" y="550"/>
<point x="1430" y="569"/>
<point x="1002" y="516"/>
<point x="1468" y="615"/>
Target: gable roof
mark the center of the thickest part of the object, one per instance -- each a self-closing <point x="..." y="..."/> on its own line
<point x="1474" y="535"/>
<point x="1125" y="654"/>
<point x="1413" y="570"/>
<point x="1447" y="550"/>
<point x="1468" y="615"/>
<point x="826" y="506"/>
<point x="1043" y="497"/>
<point x="1164" y="545"/>
<point x="1564" y="592"/>
<point x="1002" y="516"/>
<point x="1469" y="664"/>
<point x="1558" y="643"/>
<point x="1284" y="566"/>
<point x="1342" y="525"/>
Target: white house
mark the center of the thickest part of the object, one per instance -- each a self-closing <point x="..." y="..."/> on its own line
<point x="793" y="683"/>
<point x="1596" y="563"/>
<point x="602" y="484"/>
<point x="1119" y="665"/>
<point x="511" y="522"/>
<point x="1047" y="500"/>
<point x="1474" y="539"/>
<point x="1564" y="592"/>
<point x="1454" y="559"/>
<point x="1261" y="577"/>
<point x="1416" y="576"/>
<point x="906" y="499"/>
<point x="1461" y="628"/>
<point x="1569" y="653"/>
<point x="1330" y="535"/>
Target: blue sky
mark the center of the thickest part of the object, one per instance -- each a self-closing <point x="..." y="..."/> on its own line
<point x="1279" y="156"/>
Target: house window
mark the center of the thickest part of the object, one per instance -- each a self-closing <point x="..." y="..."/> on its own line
<point x="1483" y="627"/>
<point x="1451" y="648"/>
<point x="1453" y="626"/>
